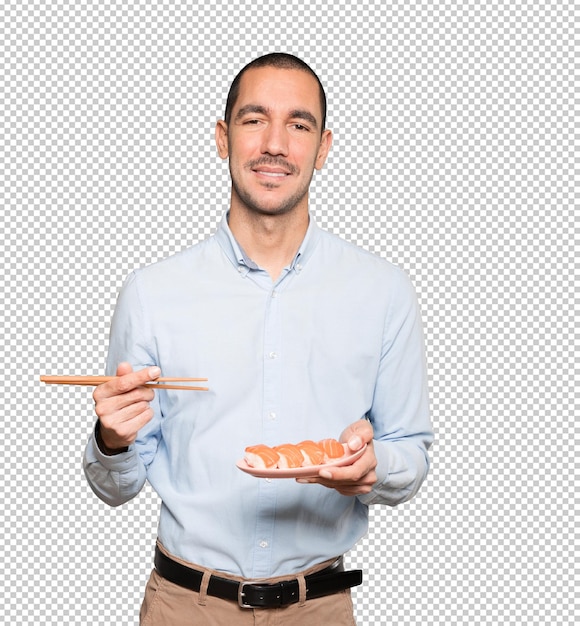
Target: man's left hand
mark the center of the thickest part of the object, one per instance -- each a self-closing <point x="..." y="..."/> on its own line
<point x="355" y="479"/>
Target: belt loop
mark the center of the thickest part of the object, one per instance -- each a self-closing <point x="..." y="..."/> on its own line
<point x="203" y="588"/>
<point x="301" y="590"/>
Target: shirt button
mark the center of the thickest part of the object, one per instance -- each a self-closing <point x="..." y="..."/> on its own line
<point x="263" y="544"/>
<point x="240" y="268"/>
<point x="272" y="415"/>
<point x="273" y="355"/>
<point x="298" y="267"/>
<point x="274" y="294"/>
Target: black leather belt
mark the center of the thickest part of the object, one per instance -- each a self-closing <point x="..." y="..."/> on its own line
<point x="250" y="594"/>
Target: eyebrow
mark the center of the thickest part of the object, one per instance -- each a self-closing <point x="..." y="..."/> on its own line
<point x="301" y="114"/>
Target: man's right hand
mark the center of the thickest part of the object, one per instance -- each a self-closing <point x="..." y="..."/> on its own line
<point x="122" y="406"/>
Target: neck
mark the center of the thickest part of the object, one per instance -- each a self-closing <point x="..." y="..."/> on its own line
<point x="271" y="241"/>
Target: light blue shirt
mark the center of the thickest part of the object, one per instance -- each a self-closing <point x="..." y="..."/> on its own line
<point x="336" y="338"/>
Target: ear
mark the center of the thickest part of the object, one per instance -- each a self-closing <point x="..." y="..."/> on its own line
<point x="221" y="139"/>
<point x="324" y="149"/>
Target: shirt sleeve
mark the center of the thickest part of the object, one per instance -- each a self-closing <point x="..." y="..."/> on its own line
<point x="400" y="411"/>
<point x="116" y="479"/>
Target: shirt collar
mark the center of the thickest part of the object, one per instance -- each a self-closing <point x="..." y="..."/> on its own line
<point x="240" y="259"/>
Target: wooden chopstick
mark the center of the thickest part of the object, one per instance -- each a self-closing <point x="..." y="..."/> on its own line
<point x="92" y="381"/>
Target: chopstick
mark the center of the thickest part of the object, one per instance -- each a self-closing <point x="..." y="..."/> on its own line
<point x="92" y="381"/>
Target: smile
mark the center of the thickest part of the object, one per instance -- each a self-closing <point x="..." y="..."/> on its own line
<point x="272" y="168"/>
<point x="272" y="174"/>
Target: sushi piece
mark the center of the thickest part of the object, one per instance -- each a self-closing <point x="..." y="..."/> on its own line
<point x="333" y="449"/>
<point x="312" y="452"/>
<point x="261" y="456"/>
<point x="290" y="456"/>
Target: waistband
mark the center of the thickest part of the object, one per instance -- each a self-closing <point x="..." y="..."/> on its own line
<point x="260" y="594"/>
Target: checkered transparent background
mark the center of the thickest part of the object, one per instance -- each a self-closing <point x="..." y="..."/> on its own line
<point x="453" y="157"/>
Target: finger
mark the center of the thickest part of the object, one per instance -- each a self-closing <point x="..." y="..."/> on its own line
<point x="111" y="404"/>
<point x="124" y="432"/>
<point x="336" y="478"/>
<point x="359" y="490"/>
<point x="123" y="408"/>
<point x="342" y="476"/>
<point x="132" y="380"/>
<point x="124" y="368"/>
<point x="346" y="489"/>
<point x="126" y="382"/>
<point x="138" y="417"/>
<point x="359" y="472"/>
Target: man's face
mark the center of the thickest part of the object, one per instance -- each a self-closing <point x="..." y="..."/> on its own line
<point x="274" y="140"/>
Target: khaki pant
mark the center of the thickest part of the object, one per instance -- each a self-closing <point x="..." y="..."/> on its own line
<point x="167" y="604"/>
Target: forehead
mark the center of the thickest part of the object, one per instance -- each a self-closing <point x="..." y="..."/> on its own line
<point x="279" y="90"/>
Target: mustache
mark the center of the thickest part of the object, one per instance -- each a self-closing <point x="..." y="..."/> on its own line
<point x="272" y="162"/>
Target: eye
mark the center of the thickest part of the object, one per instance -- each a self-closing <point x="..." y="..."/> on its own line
<point x="300" y="127"/>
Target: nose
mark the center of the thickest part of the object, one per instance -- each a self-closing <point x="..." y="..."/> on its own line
<point x="275" y="140"/>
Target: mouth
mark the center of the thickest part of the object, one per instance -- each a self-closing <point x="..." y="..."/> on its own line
<point x="271" y="169"/>
<point x="273" y="173"/>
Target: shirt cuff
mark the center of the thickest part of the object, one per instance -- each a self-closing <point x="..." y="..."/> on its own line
<point x="117" y="462"/>
<point x="382" y="472"/>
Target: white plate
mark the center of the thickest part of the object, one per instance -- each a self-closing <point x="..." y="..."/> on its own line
<point x="299" y="472"/>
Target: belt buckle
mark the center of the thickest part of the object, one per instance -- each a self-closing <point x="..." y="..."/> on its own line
<point x="241" y="593"/>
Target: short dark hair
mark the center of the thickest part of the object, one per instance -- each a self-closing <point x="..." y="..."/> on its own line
<point x="279" y="60"/>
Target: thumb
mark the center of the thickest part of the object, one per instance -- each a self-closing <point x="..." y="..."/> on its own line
<point x="357" y="434"/>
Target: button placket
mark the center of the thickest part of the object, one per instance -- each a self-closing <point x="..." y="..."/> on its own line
<point x="272" y="388"/>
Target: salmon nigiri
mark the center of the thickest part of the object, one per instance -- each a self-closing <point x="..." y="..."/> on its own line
<point x="333" y="449"/>
<point x="290" y="455"/>
<point x="312" y="452"/>
<point x="261" y="456"/>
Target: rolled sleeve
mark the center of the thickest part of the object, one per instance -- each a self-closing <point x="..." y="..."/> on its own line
<point x="114" y="479"/>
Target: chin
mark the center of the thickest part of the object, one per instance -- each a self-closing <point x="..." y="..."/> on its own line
<point x="264" y="202"/>
<point x="281" y="207"/>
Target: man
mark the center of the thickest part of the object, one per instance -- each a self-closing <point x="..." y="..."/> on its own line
<point x="302" y="336"/>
